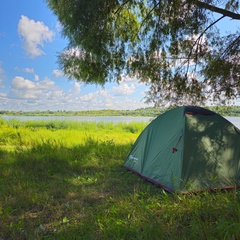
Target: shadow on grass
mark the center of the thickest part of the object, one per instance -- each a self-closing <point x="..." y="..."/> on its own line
<point x="50" y="188"/>
<point x="51" y="191"/>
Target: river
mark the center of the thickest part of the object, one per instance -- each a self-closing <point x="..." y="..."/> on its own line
<point x="115" y="119"/>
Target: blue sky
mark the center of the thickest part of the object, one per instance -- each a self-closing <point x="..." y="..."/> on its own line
<point x="30" y="78"/>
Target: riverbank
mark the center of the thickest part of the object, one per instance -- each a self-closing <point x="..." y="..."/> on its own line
<point x="142" y="112"/>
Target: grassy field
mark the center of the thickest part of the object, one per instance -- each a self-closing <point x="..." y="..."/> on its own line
<point x="65" y="180"/>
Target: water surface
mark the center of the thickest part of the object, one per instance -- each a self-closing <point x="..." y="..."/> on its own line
<point x="115" y="119"/>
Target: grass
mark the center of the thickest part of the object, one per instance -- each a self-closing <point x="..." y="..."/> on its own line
<point x="65" y="180"/>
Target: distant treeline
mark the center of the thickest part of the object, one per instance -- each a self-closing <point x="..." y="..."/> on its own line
<point x="138" y="112"/>
<point x="148" y="112"/>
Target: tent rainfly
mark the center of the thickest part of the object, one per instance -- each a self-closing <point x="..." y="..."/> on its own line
<point x="188" y="149"/>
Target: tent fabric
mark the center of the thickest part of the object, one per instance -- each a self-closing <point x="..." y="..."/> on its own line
<point x="187" y="149"/>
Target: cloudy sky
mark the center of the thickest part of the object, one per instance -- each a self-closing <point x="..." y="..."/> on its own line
<point x="30" y="78"/>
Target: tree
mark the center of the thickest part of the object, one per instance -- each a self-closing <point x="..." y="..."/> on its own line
<point x="174" y="47"/>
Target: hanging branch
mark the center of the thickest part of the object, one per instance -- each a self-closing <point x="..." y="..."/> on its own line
<point x="199" y="37"/>
<point x="121" y="6"/>
<point x="230" y="46"/>
<point x="224" y="12"/>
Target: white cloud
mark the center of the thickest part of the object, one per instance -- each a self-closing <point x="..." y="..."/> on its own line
<point x="128" y="79"/>
<point x="58" y="73"/>
<point x="100" y="99"/>
<point x="89" y="97"/>
<point x="34" y="35"/>
<point x="28" y="70"/>
<point x="25" y="89"/>
<point x="31" y="70"/>
<point x="1" y="77"/>
<point x="22" y="88"/>
<point x="19" y="83"/>
<point x="77" y="86"/>
<point x="59" y="27"/>
<point x="1" y="83"/>
<point x="74" y="92"/>
<point x="27" y="95"/>
<point x="124" y="89"/>
<point x="105" y="99"/>
<point x="36" y="77"/>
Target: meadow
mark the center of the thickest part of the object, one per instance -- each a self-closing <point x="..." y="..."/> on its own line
<point x="65" y="180"/>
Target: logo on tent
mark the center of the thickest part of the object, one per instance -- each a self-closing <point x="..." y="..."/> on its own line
<point x="131" y="157"/>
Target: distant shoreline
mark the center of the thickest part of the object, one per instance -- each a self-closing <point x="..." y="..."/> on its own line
<point x="233" y="111"/>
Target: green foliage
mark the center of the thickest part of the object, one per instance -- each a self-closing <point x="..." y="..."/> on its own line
<point x="151" y="111"/>
<point x="173" y="46"/>
<point x="143" y="112"/>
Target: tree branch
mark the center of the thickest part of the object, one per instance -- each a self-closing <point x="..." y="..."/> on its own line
<point x="213" y="23"/>
<point x="224" y="12"/>
<point x="148" y="14"/>
<point x="230" y="46"/>
<point x="198" y="39"/>
<point x="121" y="6"/>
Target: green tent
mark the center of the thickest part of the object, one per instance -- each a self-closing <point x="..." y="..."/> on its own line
<point x="188" y="149"/>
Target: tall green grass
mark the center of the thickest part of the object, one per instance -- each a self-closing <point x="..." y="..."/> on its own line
<point x="67" y="182"/>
